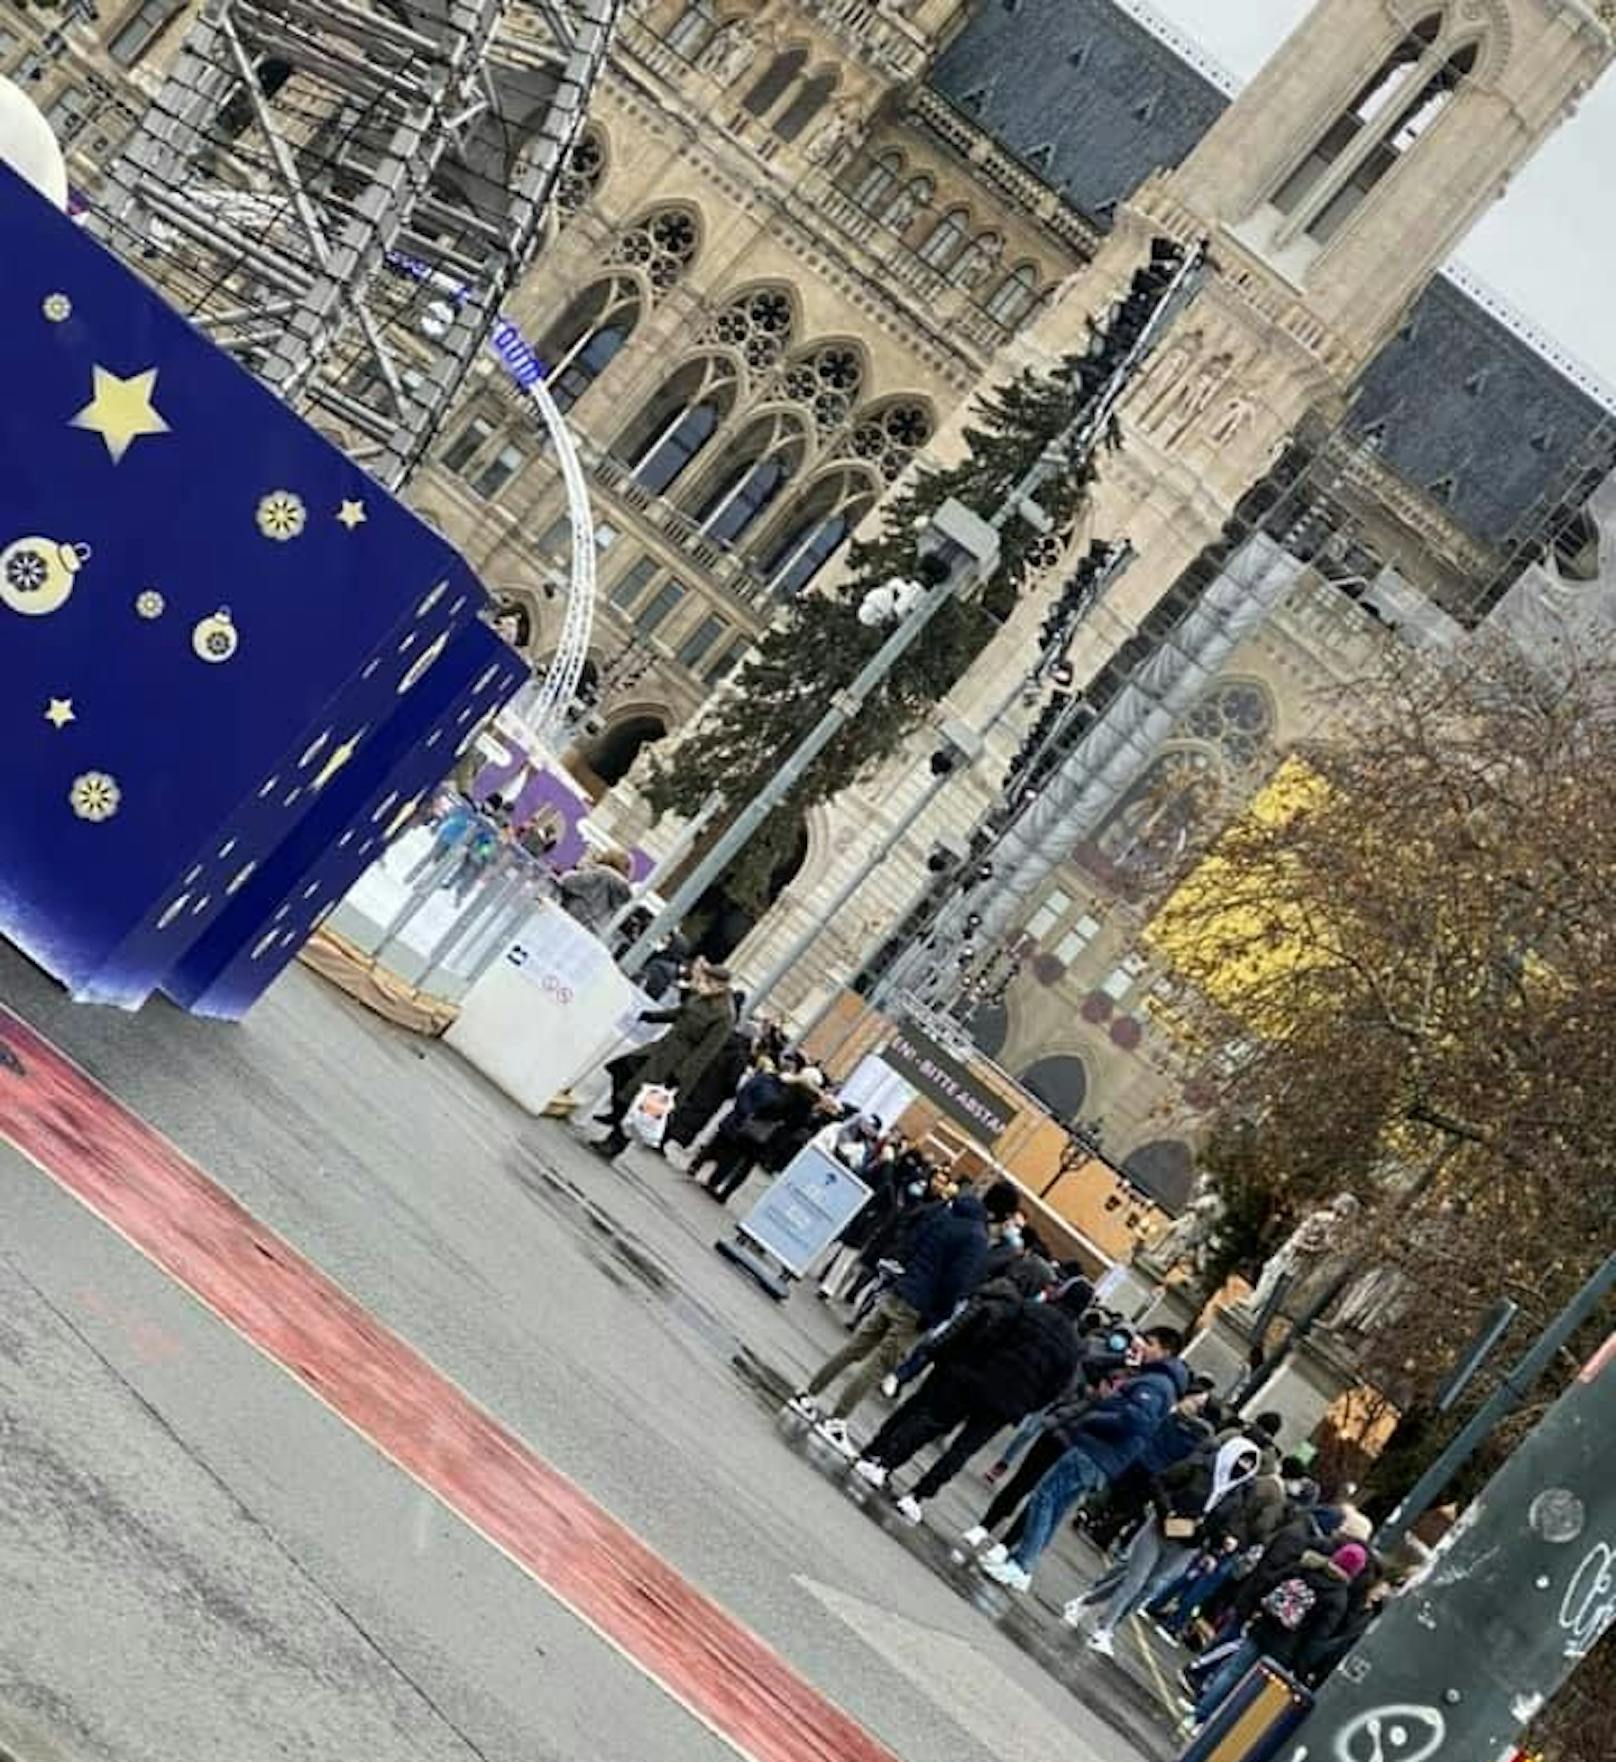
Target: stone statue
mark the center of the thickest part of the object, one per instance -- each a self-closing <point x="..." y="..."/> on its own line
<point x="1303" y="1251"/>
<point x="1196" y="393"/>
<point x="730" y="53"/>
<point x="837" y="134"/>
<point x="1234" y="416"/>
<point x="1189" y="1237"/>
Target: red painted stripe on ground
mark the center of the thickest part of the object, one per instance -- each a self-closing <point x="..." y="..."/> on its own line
<point x="160" y="1202"/>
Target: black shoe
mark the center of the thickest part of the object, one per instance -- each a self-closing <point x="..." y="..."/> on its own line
<point x="612" y="1147"/>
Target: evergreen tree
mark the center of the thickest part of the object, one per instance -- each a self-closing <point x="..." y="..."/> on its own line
<point x="818" y="645"/>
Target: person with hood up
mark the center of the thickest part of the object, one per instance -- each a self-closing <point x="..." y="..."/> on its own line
<point x="1185" y="1501"/>
<point x="1099" y="1444"/>
<point x="699" y="1029"/>
<point x="1300" y="1613"/>
<point x="943" y="1263"/>
<point x="1000" y="1360"/>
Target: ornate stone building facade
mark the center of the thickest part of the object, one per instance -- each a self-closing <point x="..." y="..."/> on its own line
<point x="797" y="236"/>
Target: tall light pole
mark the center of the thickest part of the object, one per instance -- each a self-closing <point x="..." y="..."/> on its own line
<point x="966" y="550"/>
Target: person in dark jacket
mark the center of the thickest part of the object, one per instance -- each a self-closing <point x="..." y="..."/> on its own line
<point x="699" y="1028"/>
<point x="1299" y="1614"/>
<point x="1184" y="1433"/>
<point x="1099" y="1444"/>
<point x="699" y="1101"/>
<point x="1000" y="1361"/>
<point x="943" y="1263"/>
<point x="771" y="1108"/>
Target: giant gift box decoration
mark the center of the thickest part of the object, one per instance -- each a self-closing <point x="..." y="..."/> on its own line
<point x="215" y="638"/>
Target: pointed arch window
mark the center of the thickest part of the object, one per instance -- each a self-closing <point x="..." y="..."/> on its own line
<point x="663" y="245"/>
<point x="660" y="443"/>
<point x="908" y="203"/>
<point x="587" y="337"/>
<point x="1015" y="296"/>
<point x="814" y="530"/>
<point x="775" y="81"/>
<point x="756" y="467"/>
<point x="759" y="324"/>
<point x="871" y="183"/>
<point x="826" y="382"/>
<point x="812" y="97"/>
<point x="1390" y="112"/>
<point x="946" y="239"/>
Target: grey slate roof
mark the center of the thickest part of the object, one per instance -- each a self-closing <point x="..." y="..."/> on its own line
<point x="1472" y="414"/>
<point x="1092" y="102"/>
<point x="1084" y="95"/>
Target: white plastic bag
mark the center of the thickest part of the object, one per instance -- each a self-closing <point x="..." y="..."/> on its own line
<point x="647" y="1118"/>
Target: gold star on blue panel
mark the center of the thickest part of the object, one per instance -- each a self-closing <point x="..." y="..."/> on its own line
<point x="120" y="410"/>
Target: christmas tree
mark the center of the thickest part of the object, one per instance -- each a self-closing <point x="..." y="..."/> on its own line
<point x="818" y="645"/>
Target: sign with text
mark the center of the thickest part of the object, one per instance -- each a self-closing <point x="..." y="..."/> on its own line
<point x="941" y="1078"/>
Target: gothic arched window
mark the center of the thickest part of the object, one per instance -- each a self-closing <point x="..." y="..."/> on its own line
<point x="946" y="239"/>
<point x="775" y="81"/>
<point x="1015" y="296"/>
<point x="756" y="466"/>
<point x="663" y="245"/>
<point x="890" y="435"/>
<point x="1238" y="719"/>
<point x="814" y="530"/>
<point x="585" y="340"/>
<point x="759" y="324"/>
<point x="693" y="30"/>
<point x="1390" y="112"/>
<point x="871" y="183"/>
<point x="827" y="383"/>
<point x="672" y="429"/>
<point x="908" y="203"/>
<point x="812" y="97"/>
<point x="582" y="174"/>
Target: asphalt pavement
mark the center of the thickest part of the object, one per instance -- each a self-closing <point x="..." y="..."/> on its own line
<point x="203" y="1560"/>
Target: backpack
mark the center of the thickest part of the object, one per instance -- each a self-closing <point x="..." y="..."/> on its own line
<point x="1290" y="1602"/>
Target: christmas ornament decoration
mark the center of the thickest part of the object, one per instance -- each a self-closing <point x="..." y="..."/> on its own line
<point x="351" y="514"/>
<point x="59" y="712"/>
<point x="37" y="574"/>
<point x="150" y="604"/>
<point x="281" y="515"/>
<point x="95" y="796"/>
<point x="215" y="639"/>
<point x="56" y="307"/>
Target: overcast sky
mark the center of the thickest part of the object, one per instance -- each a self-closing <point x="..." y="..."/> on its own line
<point x="1549" y="247"/>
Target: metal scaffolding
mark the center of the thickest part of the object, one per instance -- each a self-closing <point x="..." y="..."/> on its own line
<point x="342" y="192"/>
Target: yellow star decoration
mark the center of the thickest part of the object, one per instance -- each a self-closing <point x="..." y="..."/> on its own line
<point x="121" y="410"/>
<point x="351" y="514"/>
<point x="340" y="755"/>
<point x="60" y="712"/>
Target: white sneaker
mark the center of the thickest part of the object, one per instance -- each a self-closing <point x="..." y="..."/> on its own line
<point x="869" y="1471"/>
<point x="889" y="1386"/>
<point x="1009" y="1573"/>
<point x="976" y="1538"/>
<point x="1102" y="1641"/>
<point x="1077" y="1613"/>
<point x="909" y="1509"/>
<point x="805" y="1406"/>
<point x="836" y="1434"/>
<point x="996" y="1555"/>
<point x="678" y="1156"/>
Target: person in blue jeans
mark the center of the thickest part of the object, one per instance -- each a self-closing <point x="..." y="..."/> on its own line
<point x="1105" y="1438"/>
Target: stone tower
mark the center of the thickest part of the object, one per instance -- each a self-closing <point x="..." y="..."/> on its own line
<point x="1331" y="190"/>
